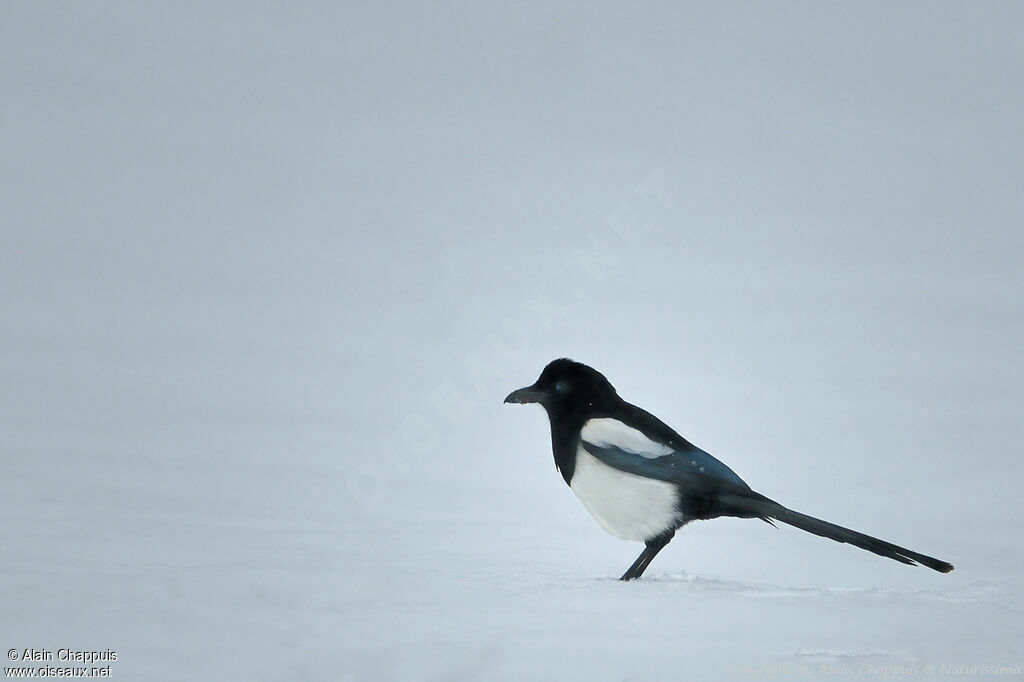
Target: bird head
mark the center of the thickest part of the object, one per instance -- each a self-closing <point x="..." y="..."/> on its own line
<point x="566" y="386"/>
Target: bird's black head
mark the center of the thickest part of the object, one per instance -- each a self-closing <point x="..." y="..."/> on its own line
<point x="567" y="387"/>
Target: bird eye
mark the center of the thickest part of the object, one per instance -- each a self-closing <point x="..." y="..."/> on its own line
<point x="561" y="387"/>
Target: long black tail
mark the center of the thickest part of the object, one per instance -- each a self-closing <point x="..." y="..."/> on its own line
<point x="764" y="507"/>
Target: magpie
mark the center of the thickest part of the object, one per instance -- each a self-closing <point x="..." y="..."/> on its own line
<point x="642" y="481"/>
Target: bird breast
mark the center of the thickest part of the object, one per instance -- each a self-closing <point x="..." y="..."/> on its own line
<point x="628" y="506"/>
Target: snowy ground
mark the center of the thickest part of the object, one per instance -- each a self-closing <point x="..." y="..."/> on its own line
<point x="268" y="274"/>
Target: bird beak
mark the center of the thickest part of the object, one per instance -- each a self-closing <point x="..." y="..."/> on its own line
<point x="525" y="395"/>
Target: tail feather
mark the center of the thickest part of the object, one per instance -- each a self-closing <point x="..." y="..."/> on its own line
<point x="758" y="505"/>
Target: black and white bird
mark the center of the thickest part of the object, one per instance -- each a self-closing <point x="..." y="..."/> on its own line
<point x="643" y="481"/>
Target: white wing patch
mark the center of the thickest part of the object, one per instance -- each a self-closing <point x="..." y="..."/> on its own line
<point x="628" y="506"/>
<point x="605" y="432"/>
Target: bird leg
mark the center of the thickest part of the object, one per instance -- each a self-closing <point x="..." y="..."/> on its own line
<point x="653" y="546"/>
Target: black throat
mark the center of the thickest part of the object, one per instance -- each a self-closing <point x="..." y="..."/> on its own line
<point x="565" y="435"/>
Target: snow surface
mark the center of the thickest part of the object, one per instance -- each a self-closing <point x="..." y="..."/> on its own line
<point x="268" y="274"/>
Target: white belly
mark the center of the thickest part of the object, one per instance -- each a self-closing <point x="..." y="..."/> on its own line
<point x="628" y="506"/>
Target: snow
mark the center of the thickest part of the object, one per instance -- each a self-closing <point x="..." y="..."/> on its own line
<point x="268" y="275"/>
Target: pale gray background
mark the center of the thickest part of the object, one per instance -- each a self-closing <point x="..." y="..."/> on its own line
<point x="269" y="271"/>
